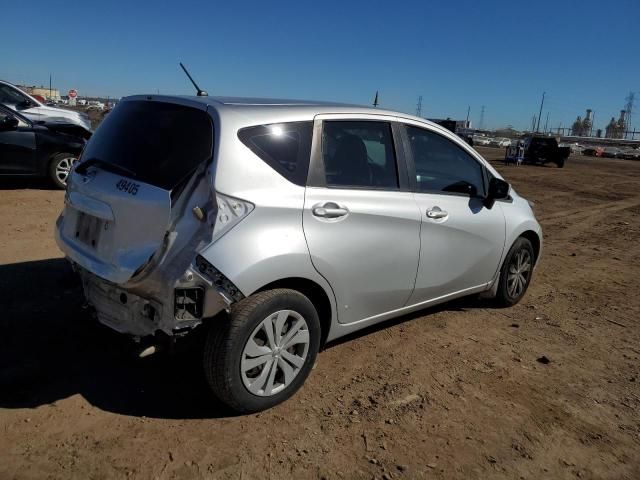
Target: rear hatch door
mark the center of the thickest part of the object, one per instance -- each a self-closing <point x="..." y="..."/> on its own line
<point x="118" y="203"/>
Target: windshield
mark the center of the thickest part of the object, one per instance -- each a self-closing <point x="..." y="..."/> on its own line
<point x="11" y="95"/>
<point x="157" y="143"/>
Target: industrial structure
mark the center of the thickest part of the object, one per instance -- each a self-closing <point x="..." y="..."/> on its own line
<point x="582" y="128"/>
<point x="617" y="128"/>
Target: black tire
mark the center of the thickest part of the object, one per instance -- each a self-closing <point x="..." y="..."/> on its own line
<point x="560" y="163"/>
<point x="59" y="160"/>
<point x="506" y="296"/>
<point x="226" y="341"/>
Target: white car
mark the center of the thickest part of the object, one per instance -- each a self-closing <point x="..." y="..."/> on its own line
<point x="478" y="140"/>
<point x="95" y="105"/>
<point x="500" y="142"/>
<point x="34" y="110"/>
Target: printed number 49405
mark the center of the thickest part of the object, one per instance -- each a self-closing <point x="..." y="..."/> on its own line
<point x="126" y="186"/>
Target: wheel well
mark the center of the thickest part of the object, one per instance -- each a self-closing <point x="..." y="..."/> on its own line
<point x="313" y="292"/>
<point x="535" y="241"/>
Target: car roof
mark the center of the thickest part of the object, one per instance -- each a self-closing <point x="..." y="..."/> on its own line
<point x="256" y="101"/>
<point x="262" y="106"/>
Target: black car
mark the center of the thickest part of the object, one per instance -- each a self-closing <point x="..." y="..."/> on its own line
<point x="542" y="149"/>
<point x="44" y="148"/>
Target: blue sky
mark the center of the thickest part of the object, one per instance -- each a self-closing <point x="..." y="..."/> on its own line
<point x="455" y="54"/>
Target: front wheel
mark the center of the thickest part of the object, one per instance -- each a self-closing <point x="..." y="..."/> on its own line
<point x="515" y="274"/>
<point x="60" y="168"/>
<point x="263" y="353"/>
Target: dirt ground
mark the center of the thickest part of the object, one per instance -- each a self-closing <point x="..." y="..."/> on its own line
<point x="457" y="391"/>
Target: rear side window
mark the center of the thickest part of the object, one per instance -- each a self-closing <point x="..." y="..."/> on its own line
<point x="359" y="154"/>
<point x="285" y="147"/>
<point x="443" y="166"/>
<point x="157" y="143"/>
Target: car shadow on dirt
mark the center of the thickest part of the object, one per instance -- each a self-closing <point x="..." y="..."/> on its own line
<point x="51" y="348"/>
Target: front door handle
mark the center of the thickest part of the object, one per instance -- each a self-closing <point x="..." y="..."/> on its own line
<point x="436" y="213"/>
<point x="329" y="210"/>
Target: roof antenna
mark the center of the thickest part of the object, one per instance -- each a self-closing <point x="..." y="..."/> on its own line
<point x="201" y="93"/>
<point x="375" y="100"/>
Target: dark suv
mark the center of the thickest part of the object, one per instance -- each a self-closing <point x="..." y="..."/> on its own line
<point x="542" y="149"/>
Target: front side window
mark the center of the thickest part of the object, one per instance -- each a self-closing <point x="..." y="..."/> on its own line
<point x="443" y="166"/>
<point x="359" y="154"/>
<point x="285" y="147"/>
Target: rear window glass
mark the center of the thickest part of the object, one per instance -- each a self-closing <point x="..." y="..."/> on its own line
<point x="285" y="147"/>
<point x="159" y="143"/>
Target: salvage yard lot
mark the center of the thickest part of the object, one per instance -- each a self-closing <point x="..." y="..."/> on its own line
<point x="459" y="391"/>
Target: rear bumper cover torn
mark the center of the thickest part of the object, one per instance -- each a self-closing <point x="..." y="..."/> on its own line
<point x="131" y="312"/>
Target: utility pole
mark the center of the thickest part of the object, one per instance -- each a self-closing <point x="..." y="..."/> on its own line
<point x="375" y="100"/>
<point x="466" y="125"/>
<point x="481" y="124"/>
<point x="49" y="85"/>
<point x="593" y="116"/>
<point x="546" y="123"/>
<point x="419" y="107"/>
<point x="540" y="112"/>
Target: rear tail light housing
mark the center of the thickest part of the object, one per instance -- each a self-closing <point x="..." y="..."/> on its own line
<point x="230" y="212"/>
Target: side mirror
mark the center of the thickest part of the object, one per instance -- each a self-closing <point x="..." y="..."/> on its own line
<point x="9" y="123"/>
<point x="498" y="190"/>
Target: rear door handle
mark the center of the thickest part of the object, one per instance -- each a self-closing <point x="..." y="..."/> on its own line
<point x="329" y="210"/>
<point x="436" y="213"/>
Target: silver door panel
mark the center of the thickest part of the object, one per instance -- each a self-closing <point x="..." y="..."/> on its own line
<point x="369" y="254"/>
<point x="459" y="251"/>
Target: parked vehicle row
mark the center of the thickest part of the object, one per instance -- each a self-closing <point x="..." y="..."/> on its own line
<point x="35" y="110"/>
<point x="612" y="152"/>
<point x="301" y="223"/>
<point x="480" y="140"/>
<point x="81" y="102"/>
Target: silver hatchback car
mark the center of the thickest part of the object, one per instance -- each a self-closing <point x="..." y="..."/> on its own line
<point x="280" y="225"/>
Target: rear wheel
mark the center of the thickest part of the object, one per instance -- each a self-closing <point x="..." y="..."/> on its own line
<point x="560" y="162"/>
<point x="263" y="354"/>
<point x="515" y="274"/>
<point x="60" y="168"/>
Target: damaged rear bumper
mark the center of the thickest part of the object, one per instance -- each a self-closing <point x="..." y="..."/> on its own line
<point x="132" y="311"/>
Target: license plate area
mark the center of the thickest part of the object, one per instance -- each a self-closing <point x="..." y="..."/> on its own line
<point x="88" y="229"/>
